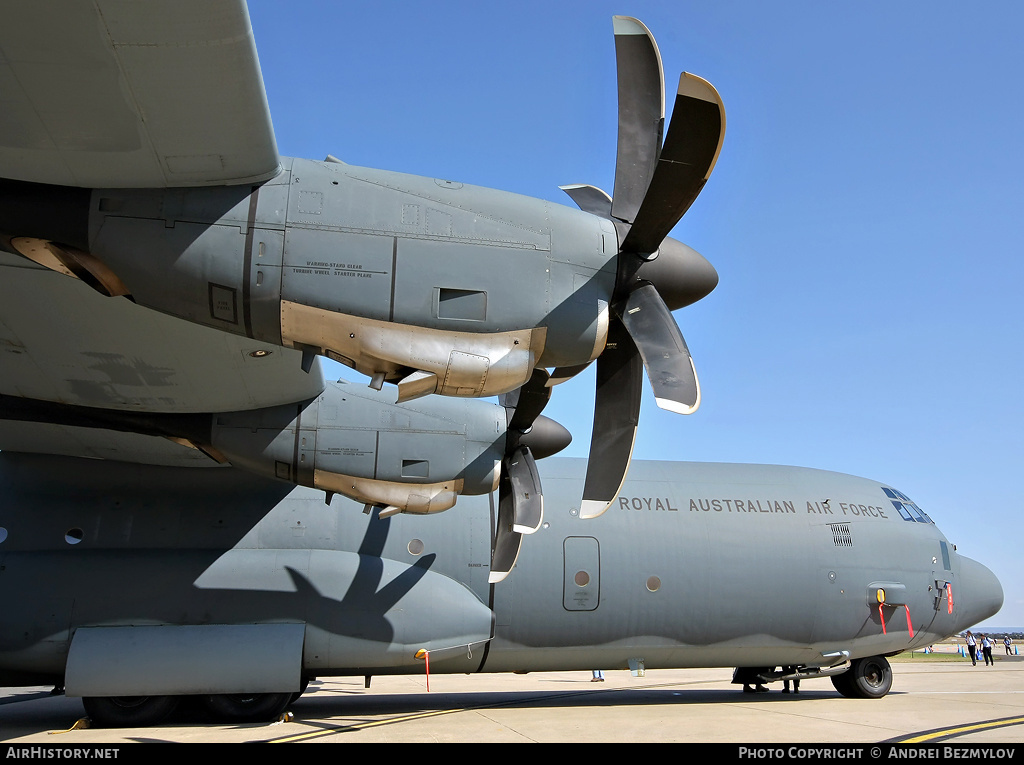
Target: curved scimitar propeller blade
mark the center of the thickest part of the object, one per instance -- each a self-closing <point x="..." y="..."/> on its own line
<point x="520" y="497"/>
<point x="616" y="414"/>
<point x="655" y="185"/>
<point x="641" y="87"/>
<point x="663" y="350"/>
<point x="506" y="541"/>
<point x="691" y="149"/>
<point x="561" y="374"/>
<point x="527" y="401"/>
<point x="590" y="199"/>
<point x="527" y="497"/>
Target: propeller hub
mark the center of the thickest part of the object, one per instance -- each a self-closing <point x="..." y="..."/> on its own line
<point x="681" y="275"/>
<point x="545" y="438"/>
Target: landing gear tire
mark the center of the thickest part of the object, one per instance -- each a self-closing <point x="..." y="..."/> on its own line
<point x="867" y="678"/>
<point x="305" y="684"/>
<point x="246" y="707"/>
<point x="129" y="711"/>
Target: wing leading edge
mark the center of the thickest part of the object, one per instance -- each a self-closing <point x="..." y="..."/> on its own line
<point x="112" y="93"/>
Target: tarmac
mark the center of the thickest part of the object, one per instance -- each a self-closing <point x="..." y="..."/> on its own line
<point x="936" y="698"/>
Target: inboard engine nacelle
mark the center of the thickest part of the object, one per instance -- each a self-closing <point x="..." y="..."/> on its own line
<point x="415" y="458"/>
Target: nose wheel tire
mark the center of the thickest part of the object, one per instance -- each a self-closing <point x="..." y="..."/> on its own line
<point x="867" y="678"/>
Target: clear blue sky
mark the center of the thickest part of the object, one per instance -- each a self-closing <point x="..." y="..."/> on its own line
<point x="863" y="216"/>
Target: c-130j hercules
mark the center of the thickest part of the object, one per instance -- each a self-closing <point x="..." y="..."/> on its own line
<point x="168" y="287"/>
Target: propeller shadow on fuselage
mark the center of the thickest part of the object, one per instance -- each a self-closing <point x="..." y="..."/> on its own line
<point x="114" y="584"/>
<point x="363" y="596"/>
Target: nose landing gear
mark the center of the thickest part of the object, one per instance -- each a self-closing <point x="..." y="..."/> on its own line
<point x="867" y="678"/>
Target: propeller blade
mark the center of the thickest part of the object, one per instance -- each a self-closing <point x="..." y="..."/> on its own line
<point x="560" y="374"/>
<point x="641" y="86"/>
<point x="527" y="497"/>
<point x="663" y="350"/>
<point x="616" y="414"/>
<point x="506" y="541"/>
<point x="691" y="149"/>
<point x="655" y="185"/>
<point x="527" y="402"/>
<point x="590" y="199"/>
<point x="520" y="497"/>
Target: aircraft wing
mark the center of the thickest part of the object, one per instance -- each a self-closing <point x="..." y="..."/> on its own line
<point x="116" y="93"/>
<point x="67" y="351"/>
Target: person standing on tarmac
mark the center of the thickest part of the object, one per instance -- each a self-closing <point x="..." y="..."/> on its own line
<point x="796" y="681"/>
<point x="986" y="650"/>
<point x="972" y="648"/>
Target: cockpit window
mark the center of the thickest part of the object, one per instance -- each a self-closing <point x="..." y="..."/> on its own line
<point x="945" y="555"/>
<point x="907" y="509"/>
<point x="902" y="510"/>
<point x="922" y="517"/>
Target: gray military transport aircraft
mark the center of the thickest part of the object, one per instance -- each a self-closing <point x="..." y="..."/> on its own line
<point x="181" y="491"/>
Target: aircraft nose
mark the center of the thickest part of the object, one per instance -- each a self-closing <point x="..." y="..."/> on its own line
<point x="681" y="275"/>
<point x="980" y="595"/>
<point x="546" y="437"/>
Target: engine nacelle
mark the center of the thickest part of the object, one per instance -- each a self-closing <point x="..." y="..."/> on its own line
<point x="440" y="287"/>
<point x="352" y="440"/>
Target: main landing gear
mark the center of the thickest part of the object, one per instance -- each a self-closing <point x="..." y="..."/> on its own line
<point x="144" y="711"/>
<point x="129" y="711"/>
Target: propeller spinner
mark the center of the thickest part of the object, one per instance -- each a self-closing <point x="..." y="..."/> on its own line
<point x="655" y="185"/>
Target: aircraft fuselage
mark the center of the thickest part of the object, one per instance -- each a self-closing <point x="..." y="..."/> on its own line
<point x="695" y="565"/>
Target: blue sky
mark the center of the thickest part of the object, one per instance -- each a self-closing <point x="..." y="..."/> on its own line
<point x="863" y="215"/>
